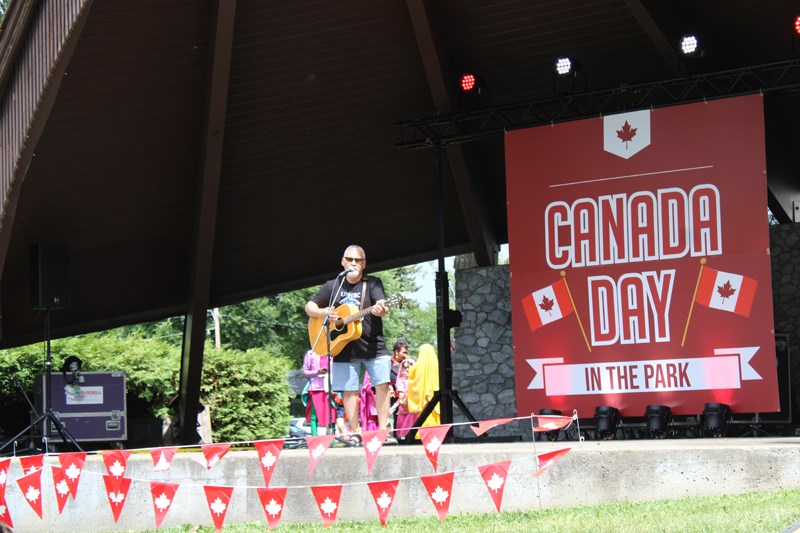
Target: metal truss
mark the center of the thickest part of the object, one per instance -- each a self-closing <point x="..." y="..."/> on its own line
<point x="480" y="123"/>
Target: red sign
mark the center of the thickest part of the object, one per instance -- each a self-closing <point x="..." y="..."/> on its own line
<point x="640" y="268"/>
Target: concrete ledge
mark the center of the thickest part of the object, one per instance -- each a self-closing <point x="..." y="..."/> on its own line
<point x="593" y="472"/>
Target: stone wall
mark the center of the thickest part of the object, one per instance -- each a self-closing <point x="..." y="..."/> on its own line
<point x="483" y="362"/>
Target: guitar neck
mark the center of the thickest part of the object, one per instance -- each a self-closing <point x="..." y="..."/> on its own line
<point x="357" y="316"/>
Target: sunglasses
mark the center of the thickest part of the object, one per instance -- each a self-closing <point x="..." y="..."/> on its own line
<point x="354" y="259"/>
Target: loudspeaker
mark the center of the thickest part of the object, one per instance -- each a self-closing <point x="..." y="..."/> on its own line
<point x="49" y="276"/>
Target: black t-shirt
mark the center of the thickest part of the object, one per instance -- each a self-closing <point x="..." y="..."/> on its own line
<point x="371" y="343"/>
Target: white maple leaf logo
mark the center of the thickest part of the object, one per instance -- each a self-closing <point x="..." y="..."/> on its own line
<point x="495" y="482"/>
<point x="433" y="445"/>
<point x="31" y="470"/>
<point x="72" y="471"/>
<point x="268" y="460"/>
<point x="273" y="508"/>
<point x="373" y="445"/>
<point x="32" y="494"/>
<point x="117" y="469"/>
<point x="162" y="463"/>
<point x="318" y="452"/>
<point x="2" y="510"/>
<point x="384" y="500"/>
<point x="218" y="507"/>
<point x="214" y="460"/>
<point x="2" y="477"/>
<point x="328" y="506"/>
<point x="162" y="502"/>
<point x="546" y="463"/>
<point x="440" y="495"/>
<point x="62" y="487"/>
<point x="116" y="497"/>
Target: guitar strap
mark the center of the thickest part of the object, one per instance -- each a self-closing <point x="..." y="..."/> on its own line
<point x="363" y="294"/>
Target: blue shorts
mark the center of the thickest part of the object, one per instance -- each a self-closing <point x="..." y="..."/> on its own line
<point x="346" y="376"/>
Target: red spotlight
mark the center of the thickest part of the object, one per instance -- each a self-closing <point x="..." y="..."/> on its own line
<point x="468" y="82"/>
<point x="797" y="25"/>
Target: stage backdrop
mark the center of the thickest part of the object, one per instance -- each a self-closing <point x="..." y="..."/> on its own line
<point x="639" y="254"/>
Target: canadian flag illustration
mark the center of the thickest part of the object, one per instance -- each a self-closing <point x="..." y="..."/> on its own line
<point x="547" y="305"/>
<point x="726" y="291"/>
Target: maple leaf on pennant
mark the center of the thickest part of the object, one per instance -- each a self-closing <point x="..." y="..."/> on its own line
<point x="547" y="304"/>
<point x="32" y="494"/>
<point x="116" y="497"/>
<point x="268" y="459"/>
<point x="726" y="290"/>
<point x="273" y="508"/>
<point x="218" y="507"/>
<point x="162" y="463"/>
<point x="433" y="445"/>
<point x="2" y="510"/>
<point x="62" y="487"/>
<point x="162" y="502"/>
<point x="440" y="495"/>
<point x="116" y="469"/>
<point x="384" y="500"/>
<point x="318" y="452"/>
<point x="626" y="134"/>
<point x="328" y="506"/>
<point x="3" y="476"/>
<point x="373" y="445"/>
<point x="72" y="471"/>
<point x="495" y="482"/>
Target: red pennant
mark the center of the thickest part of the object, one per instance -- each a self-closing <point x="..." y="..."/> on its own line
<point x="116" y="462"/>
<point x="373" y="441"/>
<point x="117" y="493"/>
<point x="317" y="446"/>
<point x="219" y="499"/>
<point x="383" y="494"/>
<point x="432" y="438"/>
<point x="31" y="487"/>
<point x="546" y="460"/>
<point x="495" y="476"/>
<point x="269" y="451"/>
<point x="72" y="464"/>
<point x="272" y="501"/>
<point x="440" y="488"/>
<point x="163" y="495"/>
<point x="213" y="453"/>
<point x="162" y="458"/>
<point x="486" y="425"/>
<point x="31" y="462"/>
<point x="5" y="465"/>
<point x="327" y="497"/>
<point x="550" y="422"/>
<point x="61" y="487"/>
<point x="5" y="514"/>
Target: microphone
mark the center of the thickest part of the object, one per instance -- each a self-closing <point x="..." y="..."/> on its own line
<point x="346" y="272"/>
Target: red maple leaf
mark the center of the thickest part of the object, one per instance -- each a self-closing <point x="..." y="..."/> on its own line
<point x="547" y="304"/>
<point x="626" y="134"/>
<point x="726" y="291"/>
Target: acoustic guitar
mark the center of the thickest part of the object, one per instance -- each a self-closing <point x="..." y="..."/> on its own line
<point x="346" y="328"/>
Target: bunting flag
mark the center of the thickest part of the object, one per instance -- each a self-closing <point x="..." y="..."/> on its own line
<point x="726" y="291"/>
<point x="218" y="499"/>
<point x="550" y="422"/>
<point x="163" y="495"/>
<point x="5" y="514"/>
<point x="317" y="446"/>
<point x="61" y="487"/>
<point x="495" y="476"/>
<point x="162" y="458"/>
<point x="272" y="501"/>
<point x="546" y="460"/>
<point x="432" y="438"/>
<point x="383" y="494"/>
<point x="5" y="464"/>
<point x="547" y="305"/>
<point x="31" y="487"/>
<point x="31" y="463"/>
<point x="212" y="454"/>
<point x="373" y="441"/>
<point x="268" y="451"/>
<point x="72" y="463"/>
<point x="486" y="425"/>
<point x="327" y="498"/>
<point x="116" y="462"/>
<point x="117" y="493"/>
<point x="440" y="488"/>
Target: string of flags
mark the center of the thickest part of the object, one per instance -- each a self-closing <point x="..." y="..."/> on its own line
<point x="439" y="485"/>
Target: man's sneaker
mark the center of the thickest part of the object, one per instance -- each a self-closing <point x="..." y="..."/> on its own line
<point x="390" y="440"/>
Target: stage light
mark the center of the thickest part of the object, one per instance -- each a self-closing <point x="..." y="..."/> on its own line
<point x="563" y="66"/>
<point x="468" y="82"/>
<point x="606" y="420"/>
<point x="715" y="419"/>
<point x="658" y="420"/>
<point x="552" y="436"/>
<point x="796" y="25"/>
<point x="689" y="44"/>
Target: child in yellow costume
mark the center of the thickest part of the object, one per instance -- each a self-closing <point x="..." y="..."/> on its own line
<point x="423" y="380"/>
